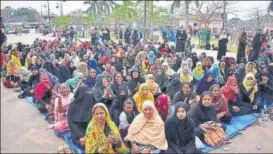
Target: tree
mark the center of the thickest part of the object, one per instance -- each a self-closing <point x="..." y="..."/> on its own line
<point x="125" y="12"/>
<point x="31" y="13"/>
<point x="90" y="19"/>
<point x="257" y="14"/>
<point x="177" y="4"/>
<point x="62" y="21"/>
<point x="78" y="17"/>
<point x="100" y="7"/>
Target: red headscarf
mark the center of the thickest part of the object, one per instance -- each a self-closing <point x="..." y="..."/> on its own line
<point x="227" y="91"/>
<point x="161" y="105"/>
<point x="40" y="88"/>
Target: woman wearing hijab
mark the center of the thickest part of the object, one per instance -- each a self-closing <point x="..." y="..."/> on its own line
<point x="62" y="102"/>
<point x="198" y="72"/>
<point x="80" y="113"/>
<point x="117" y="105"/>
<point x="173" y="87"/>
<point x="162" y="104"/>
<point x="82" y="68"/>
<point x="145" y="133"/>
<point x="249" y="91"/>
<point x="43" y="92"/>
<point x="154" y="88"/>
<point x="222" y="44"/>
<point x="90" y="81"/>
<point x="32" y="81"/>
<point x="220" y="103"/>
<point x="64" y="73"/>
<point x="13" y="75"/>
<point x="135" y="81"/>
<point x="92" y="63"/>
<point x="185" y="75"/>
<point x="102" y="91"/>
<point x="222" y="73"/>
<point x="186" y="95"/>
<point x="75" y="81"/>
<point x="126" y="117"/>
<point x="151" y="57"/>
<point x="201" y="113"/>
<point x="142" y="95"/>
<point x="167" y="70"/>
<point x="231" y="92"/>
<point x="162" y="80"/>
<point x="24" y="78"/>
<point x="179" y="130"/>
<point x="102" y="135"/>
<point x="249" y="68"/>
<point x="178" y="64"/>
<point x="266" y="89"/>
<point x="15" y="57"/>
<point x="241" y="47"/>
<point x="205" y="83"/>
<point x="206" y="64"/>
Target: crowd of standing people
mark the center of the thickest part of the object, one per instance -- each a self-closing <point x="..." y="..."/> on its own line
<point x="121" y="96"/>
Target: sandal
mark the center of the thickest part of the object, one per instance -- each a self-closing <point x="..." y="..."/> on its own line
<point x="21" y="96"/>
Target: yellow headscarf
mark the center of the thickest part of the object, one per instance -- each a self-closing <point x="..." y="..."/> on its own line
<point x="95" y="137"/>
<point x="154" y="88"/>
<point x="248" y="87"/>
<point x="16" y="60"/>
<point x="198" y="72"/>
<point x="185" y="78"/>
<point x="254" y="71"/>
<point x="12" y="69"/>
<point x="139" y="98"/>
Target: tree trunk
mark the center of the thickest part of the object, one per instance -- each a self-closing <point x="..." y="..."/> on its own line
<point x="186" y="15"/>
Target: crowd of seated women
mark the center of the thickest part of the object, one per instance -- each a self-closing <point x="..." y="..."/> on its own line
<point x="120" y="98"/>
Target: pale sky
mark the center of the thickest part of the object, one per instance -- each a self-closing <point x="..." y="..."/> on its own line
<point x="243" y="7"/>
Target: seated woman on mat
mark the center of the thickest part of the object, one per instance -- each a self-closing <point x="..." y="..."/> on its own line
<point x="80" y="113"/>
<point x="220" y="103"/>
<point x="43" y="92"/>
<point x="249" y="91"/>
<point x="32" y="81"/>
<point x="232" y="94"/>
<point x="142" y="95"/>
<point x="179" y="130"/>
<point x="266" y="89"/>
<point x="146" y="133"/>
<point x="61" y="106"/>
<point x="127" y="116"/>
<point x="202" y="113"/>
<point x="102" y="91"/>
<point x="13" y="75"/>
<point x="102" y="135"/>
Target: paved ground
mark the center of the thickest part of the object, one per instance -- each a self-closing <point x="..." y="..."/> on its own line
<point x="23" y="127"/>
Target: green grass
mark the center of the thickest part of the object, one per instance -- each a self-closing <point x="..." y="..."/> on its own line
<point x="214" y="42"/>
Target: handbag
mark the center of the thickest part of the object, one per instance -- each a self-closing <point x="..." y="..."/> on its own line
<point x="215" y="135"/>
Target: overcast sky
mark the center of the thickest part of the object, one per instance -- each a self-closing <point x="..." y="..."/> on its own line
<point x="243" y="7"/>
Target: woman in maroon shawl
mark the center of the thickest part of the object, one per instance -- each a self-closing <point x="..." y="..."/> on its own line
<point x="220" y="103"/>
<point x="162" y="106"/>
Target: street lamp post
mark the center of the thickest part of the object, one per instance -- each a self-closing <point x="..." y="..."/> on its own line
<point x="42" y="12"/>
<point x="48" y="11"/>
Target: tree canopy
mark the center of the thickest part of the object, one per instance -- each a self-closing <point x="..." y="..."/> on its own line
<point x="31" y="13"/>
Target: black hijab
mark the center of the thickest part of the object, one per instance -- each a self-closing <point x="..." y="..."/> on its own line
<point x="200" y="113"/>
<point x="80" y="110"/>
<point x="180" y="132"/>
<point x="132" y="84"/>
<point x="173" y="87"/>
